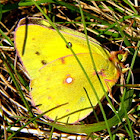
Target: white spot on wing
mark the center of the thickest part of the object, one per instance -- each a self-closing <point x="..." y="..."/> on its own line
<point x="69" y="80"/>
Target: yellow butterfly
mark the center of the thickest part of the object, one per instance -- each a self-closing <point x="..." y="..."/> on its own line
<point x="56" y="77"/>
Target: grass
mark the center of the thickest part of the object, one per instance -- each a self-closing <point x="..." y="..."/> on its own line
<point x="112" y="23"/>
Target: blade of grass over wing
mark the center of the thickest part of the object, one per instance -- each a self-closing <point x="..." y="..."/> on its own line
<point x="73" y="113"/>
<point x="91" y="105"/>
<point x="25" y="39"/>
<point x="113" y="108"/>
<point x="94" y="66"/>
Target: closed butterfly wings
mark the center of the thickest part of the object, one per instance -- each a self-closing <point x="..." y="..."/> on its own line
<point x="56" y="77"/>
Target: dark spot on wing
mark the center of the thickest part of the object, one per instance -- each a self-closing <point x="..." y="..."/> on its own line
<point x="44" y="62"/>
<point x="70" y="45"/>
<point x="37" y="53"/>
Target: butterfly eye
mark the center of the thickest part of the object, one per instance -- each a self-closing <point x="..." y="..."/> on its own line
<point x="70" y="45"/>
